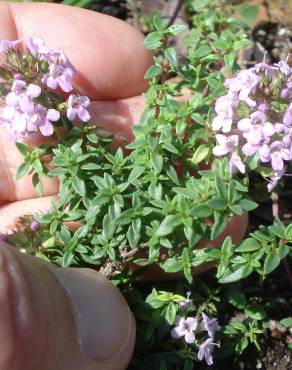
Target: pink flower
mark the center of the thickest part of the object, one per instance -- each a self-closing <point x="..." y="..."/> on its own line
<point x="284" y="68"/>
<point x="22" y="95"/>
<point x="236" y="164"/>
<point x="185" y="328"/>
<point x="34" y="226"/>
<point x="288" y="116"/>
<point x="244" y="84"/>
<point x="59" y="76"/>
<point x="210" y="325"/>
<point x="224" y="108"/>
<point x="36" y="46"/>
<point x="276" y="153"/>
<point x="226" y="144"/>
<point x="76" y="107"/>
<point x="205" y="351"/>
<point x="43" y="118"/>
<point x="6" y="45"/>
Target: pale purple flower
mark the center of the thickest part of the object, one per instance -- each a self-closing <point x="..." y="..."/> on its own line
<point x="257" y="116"/>
<point x="43" y="118"/>
<point x="185" y="328"/>
<point x="280" y="128"/>
<point x="3" y="238"/>
<point x="236" y="164"/>
<point x="264" y="107"/>
<point x="22" y="95"/>
<point x="6" y="45"/>
<point x="34" y="226"/>
<point x="77" y="107"/>
<point x="187" y="303"/>
<point x="256" y="137"/>
<point x="206" y="350"/>
<point x="244" y="84"/>
<point x="268" y="70"/>
<point x="288" y="116"/>
<point x="225" y="144"/>
<point x="224" y="108"/>
<point x="284" y="68"/>
<point x="59" y="76"/>
<point x="17" y="123"/>
<point x="210" y="325"/>
<point x="273" y="180"/>
<point x="285" y="93"/>
<point x="36" y="46"/>
<point x="276" y="153"/>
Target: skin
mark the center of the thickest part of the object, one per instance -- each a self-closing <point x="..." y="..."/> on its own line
<point x="111" y="62"/>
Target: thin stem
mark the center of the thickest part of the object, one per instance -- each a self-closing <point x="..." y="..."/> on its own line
<point x="178" y="8"/>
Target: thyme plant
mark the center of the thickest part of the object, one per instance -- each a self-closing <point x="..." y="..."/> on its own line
<point x="165" y="197"/>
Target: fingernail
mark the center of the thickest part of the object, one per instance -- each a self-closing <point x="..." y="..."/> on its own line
<point x="104" y="322"/>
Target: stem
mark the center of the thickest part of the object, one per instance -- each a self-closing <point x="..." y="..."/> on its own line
<point x="275" y="209"/>
<point x="80" y="3"/>
<point x="179" y="5"/>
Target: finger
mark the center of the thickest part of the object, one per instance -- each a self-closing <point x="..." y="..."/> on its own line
<point x="118" y="117"/>
<point x="72" y="318"/>
<point x="107" y="52"/>
<point x="11" y="213"/>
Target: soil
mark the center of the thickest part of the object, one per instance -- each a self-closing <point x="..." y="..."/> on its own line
<point x="272" y="33"/>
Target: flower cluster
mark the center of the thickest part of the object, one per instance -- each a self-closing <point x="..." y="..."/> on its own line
<point x="258" y="104"/>
<point x="189" y="327"/>
<point x="29" y="79"/>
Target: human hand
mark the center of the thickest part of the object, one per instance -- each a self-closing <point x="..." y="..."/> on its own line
<point x="111" y="63"/>
<point x="38" y="301"/>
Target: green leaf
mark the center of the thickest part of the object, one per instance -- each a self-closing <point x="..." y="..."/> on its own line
<point x="170" y="54"/>
<point x="201" y="153"/>
<point x="218" y="227"/>
<point x="217" y="203"/>
<point x="188" y="274"/>
<point x="22" y="170"/>
<point x="236" y="298"/>
<point x="241" y="345"/>
<point x="67" y="259"/>
<point x="22" y="148"/>
<point x="202" y="51"/>
<point x="188" y="365"/>
<point x="175" y="29"/>
<point x="284" y="251"/>
<point x="153" y="71"/>
<point x="229" y="60"/>
<point x="168" y="224"/>
<point x="287" y="322"/>
<point x="271" y="263"/>
<point x="37" y="184"/>
<point x="157" y="162"/>
<point x="171" y="265"/>
<point x="221" y="187"/>
<point x="171" y="313"/>
<point x="249" y="13"/>
<point x="248" y="205"/>
<point x="240" y="273"/>
<point x="153" y="40"/>
<point x="248" y="245"/>
<point x="133" y="234"/>
<point x="79" y="186"/>
<point x="201" y="211"/>
<point x="135" y="173"/>
<point x="255" y="311"/>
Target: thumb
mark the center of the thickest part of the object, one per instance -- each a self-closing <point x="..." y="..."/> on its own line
<point x="73" y="319"/>
<point x="10" y="213"/>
